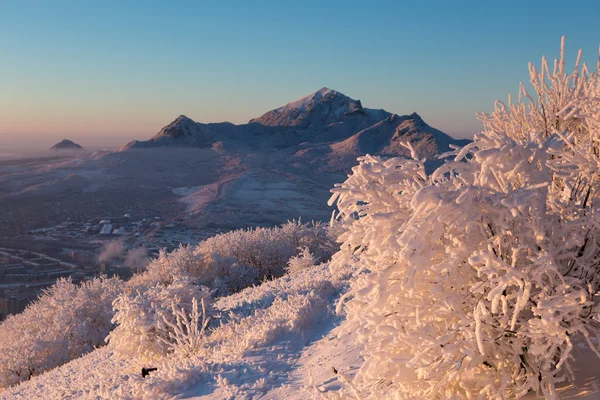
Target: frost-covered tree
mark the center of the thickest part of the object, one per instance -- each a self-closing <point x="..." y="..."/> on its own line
<point x="485" y="274"/>
<point x="67" y="321"/>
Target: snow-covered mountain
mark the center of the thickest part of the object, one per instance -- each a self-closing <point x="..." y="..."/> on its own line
<point x="325" y="116"/>
<point x="182" y="132"/>
<point x="278" y="166"/>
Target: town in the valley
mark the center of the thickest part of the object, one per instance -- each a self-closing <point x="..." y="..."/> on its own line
<point x="33" y="261"/>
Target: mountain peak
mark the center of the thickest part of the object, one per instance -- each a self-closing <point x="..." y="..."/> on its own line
<point x="181" y="126"/>
<point x="323" y="94"/>
<point x="183" y="131"/>
<point x="183" y="118"/>
<point x="66" y="144"/>
<point x="323" y="106"/>
<point x="416" y="117"/>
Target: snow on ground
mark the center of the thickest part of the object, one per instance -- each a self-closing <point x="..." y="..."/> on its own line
<point x="263" y="344"/>
<point x="184" y="191"/>
<point x="279" y="340"/>
<point x="269" y="195"/>
<point x="313" y="373"/>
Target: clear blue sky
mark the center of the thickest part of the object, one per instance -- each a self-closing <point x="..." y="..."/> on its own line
<point x="115" y="70"/>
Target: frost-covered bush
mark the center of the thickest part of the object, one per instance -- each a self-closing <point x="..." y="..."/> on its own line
<point x="269" y="249"/>
<point x="302" y="261"/>
<point x="168" y="267"/>
<point x="232" y="261"/>
<point x="484" y="275"/>
<point x="160" y="320"/>
<point x="67" y="321"/>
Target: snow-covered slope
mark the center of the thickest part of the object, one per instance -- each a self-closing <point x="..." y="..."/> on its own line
<point x="386" y="136"/>
<point x="280" y="340"/>
<point x="255" y="345"/>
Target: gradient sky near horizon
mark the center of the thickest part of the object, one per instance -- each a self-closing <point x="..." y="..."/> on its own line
<point x="103" y="73"/>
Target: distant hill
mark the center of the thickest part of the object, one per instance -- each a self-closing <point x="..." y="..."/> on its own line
<point x="66" y="144"/>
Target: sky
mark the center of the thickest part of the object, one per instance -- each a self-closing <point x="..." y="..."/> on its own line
<point x="103" y="73"/>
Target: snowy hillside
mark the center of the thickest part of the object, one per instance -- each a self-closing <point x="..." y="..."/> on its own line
<point x="478" y="279"/>
<point x="260" y="336"/>
<point x="280" y="340"/>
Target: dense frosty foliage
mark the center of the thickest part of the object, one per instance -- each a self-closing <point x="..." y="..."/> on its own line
<point x="235" y="260"/>
<point x="304" y="260"/>
<point x="67" y="321"/>
<point x="485" y="274"/>
<point x="160" y="320"/>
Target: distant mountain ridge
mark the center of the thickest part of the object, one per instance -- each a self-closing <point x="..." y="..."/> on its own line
<point x="323" y="117"/>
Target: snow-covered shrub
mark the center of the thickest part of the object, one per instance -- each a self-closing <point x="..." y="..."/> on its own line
<point x="160" y="320"/>
<point x="187" y="331"/>
<point x="66" y="321"/>
<point x="302" y="261"/>
<point x="269" y="249"/>
<point x="167" y="267"/>
<point x="232" y="261"/>
<point x="484" y="275"/>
